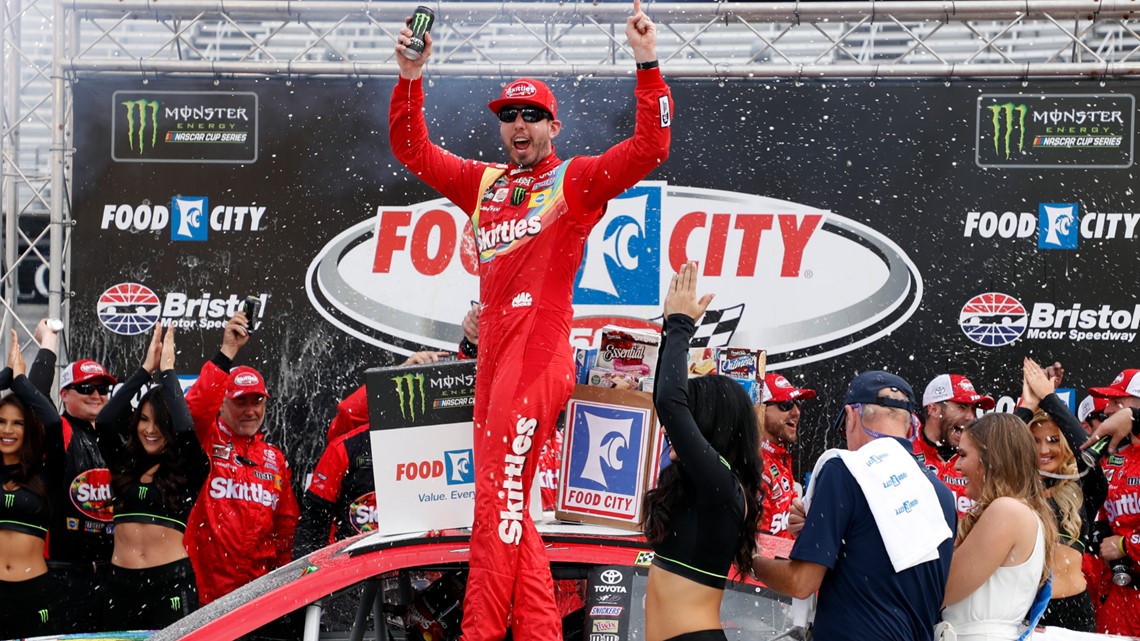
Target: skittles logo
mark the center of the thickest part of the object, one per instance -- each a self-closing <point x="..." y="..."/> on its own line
<point x="363" y="514"/>
<point x="91" y="494"/>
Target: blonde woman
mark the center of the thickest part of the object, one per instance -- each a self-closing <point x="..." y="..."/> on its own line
<point x="1004" y="548"/>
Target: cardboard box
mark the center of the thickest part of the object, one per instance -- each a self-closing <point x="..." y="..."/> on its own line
<point x="611" y="379"/>
<point x="628" y="350"/>
<point x="609" y="456"/>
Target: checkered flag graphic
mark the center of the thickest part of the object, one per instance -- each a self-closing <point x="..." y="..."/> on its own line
<point x="716" y="327"/>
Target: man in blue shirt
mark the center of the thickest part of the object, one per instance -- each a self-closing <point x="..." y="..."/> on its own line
<point x="840" y="552"/>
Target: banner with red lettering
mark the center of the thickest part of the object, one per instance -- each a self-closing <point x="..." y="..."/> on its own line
<point x="921" y="227"/>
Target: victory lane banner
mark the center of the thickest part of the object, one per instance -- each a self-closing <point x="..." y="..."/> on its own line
<point x="921" y="227"/>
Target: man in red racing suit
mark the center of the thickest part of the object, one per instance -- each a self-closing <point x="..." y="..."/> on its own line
<point x="531" y="219"/>
<point x="779" y="428"/>
<point x="242" y="524"/>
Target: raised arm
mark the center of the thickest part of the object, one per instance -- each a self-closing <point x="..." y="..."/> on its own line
<point x="172" y="395"/>
<point x="116" y="414"/>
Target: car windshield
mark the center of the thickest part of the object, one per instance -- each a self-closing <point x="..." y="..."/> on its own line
<point x="597" y="603"/>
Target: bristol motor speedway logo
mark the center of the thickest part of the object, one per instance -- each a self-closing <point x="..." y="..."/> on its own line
<point x="133" y="308"/>
<point x="995" y="319"/>
<point x="400" y="276"/>
<point x="602" y="464"/>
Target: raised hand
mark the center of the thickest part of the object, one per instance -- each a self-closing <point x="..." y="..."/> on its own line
<point x="16" y="357"/>
<point x="153" y="350"/>
<point x="411" y="69"/>
<point x="641" y="34"/>
<point x="236" y="335"/>
<point x="168" y="349"/>
<point x="1036" y="384"/>
<point x="682" y="295"/>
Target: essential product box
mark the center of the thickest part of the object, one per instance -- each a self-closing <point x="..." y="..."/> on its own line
<point x="628" y="350"/>
<point x="614" y="380"/>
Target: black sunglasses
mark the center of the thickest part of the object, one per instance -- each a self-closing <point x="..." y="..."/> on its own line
<point x="1097" y="416"/>
<point x="87" y="388"/>
<point x="529" y="114"/>
<point x="786" y="406"/>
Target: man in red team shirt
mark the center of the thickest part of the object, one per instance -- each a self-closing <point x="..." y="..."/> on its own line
<point x="779" y="428"/>
<point x="951" y="402"/>
<point x="531" y="218"/>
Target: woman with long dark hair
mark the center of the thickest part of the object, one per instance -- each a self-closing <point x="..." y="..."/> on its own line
<point x="701" y="518"/>
<point x="32" y="597"/>
<point x="1004" y="548"/>
<point x="1075" y="491"/>
<point x="157" y="474"/>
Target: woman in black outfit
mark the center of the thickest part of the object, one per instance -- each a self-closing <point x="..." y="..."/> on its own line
<point x="156" y="476"/>
<point x="1075" y="492"/>
<point x="33" y="598"/>
<point x="701" y="517"/>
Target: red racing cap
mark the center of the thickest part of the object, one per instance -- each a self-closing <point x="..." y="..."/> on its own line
<point x="526" y="91"/>
<point x="1127" y="383"/>
<point x="953" y="387"/>
<point x="1091" y="405"/>
<point x="85" y="371"/>
<point x="778" y="389"/>
<point x="245" y="380"/>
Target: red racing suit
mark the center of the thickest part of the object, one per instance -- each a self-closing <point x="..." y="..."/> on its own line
<point x="780" y="489"/>
<point x="243" y="521"/>
<point x="927" y="454"/>
<point x="531" y="225"/>
<point x="1120" y="612"/>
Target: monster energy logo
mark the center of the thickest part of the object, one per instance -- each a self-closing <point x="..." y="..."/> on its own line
<point x="9" y="500"/>
<point x="142" y="106"/>
<point x="176" y="603"/>
<point x="1003" y="133"/>
<point x="420" y="23"/>
<point x="142" y="492"/>
<point x="43" y="615"/>
<point x="408" y="408"/>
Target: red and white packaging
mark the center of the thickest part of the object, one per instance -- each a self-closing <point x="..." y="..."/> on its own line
<point x="628" y="350"/>
<point x="738" y="362"/>
<point x="613" y="379"/>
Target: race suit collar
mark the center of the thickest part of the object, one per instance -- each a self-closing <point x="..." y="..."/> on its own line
<point x="549" y="162"/>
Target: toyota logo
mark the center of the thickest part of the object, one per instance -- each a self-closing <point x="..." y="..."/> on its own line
<point x="611" y="577"/>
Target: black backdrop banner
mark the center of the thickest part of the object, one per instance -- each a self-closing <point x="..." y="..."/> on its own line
<point x="920" y="227"/>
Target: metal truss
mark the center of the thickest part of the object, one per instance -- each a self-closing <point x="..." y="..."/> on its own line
<point x="47" y="45"/>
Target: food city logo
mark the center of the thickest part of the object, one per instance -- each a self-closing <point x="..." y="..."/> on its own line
<point x="1057" y="225"/>
<point x="129" y="309"/>
<point x="603" y="463"/>
<point x="184" y="126"/>
<point x="994" y="319"/>
<point x="189" y="218"/>
<point x="456" y="468"/>
<point x="1043" y="130"/>
<point x="391" y="280"/>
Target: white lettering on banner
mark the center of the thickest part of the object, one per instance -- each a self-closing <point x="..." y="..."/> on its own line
<point x="589" y="498"/>
<point x="510" y="525"/>
<point x="1078" y="116"/>
<point x="223" y="488"/>
<point x="88" y="492"/>
<point x="1009" y="224"/>
<point x="206" y="113"/>
<point x="147" y="217"/>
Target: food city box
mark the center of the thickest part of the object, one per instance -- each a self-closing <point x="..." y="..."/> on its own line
<point x="423" y="461"/>
<point x="611" y="450"/>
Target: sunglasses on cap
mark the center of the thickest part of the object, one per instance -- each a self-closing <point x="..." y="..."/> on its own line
<point x="529" y="114"/>
<point x="87" y="388"/>
<point x="786" y="406"/>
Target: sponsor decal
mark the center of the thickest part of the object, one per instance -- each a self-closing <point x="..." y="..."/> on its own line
<point x="1055" y="130"/>
<point x="409" y="387"/>
<point x="605" y="637"/>
<point x="362" y="513"/>
<point x="606" y="610"/>
<point x="133" y="308"/>
<point x="611" y="577"/>
<point x="184" y="126"/>
<point x="457" y="467"/>
<point x="1056" y="225"/>
<point x="602" y="459"/>
<point x="72" y="523"/>
<point x="513" y="493"/>
<point x="226" y="488"/>
<point x="374" y="280"/>
<point x="605" y="625"/>
<point x="996" y="320"/>
<point x="190" y="218"/>
<point x="90" y="493"/>
<point x="1126" y="505"/>
<point x="517" y="195"/>
<point x="643" y="558"/>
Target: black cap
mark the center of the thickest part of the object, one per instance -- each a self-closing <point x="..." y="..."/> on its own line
<point x="866" y="388"/>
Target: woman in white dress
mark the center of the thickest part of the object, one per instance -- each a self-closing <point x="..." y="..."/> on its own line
<point x="1005" y="543"/>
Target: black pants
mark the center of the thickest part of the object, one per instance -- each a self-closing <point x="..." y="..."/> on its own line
<point x="1072" y="613"/>
<point x="150" y="598"/>
<point x="702" y="635"/>
<point x="86" y="593"/>
<point x="35" y="607"/>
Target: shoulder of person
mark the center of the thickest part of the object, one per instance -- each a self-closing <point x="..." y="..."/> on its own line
<point x="1008" y="510"/>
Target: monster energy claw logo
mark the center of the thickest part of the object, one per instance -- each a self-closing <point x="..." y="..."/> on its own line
<point x="9" y="500"/>
<point x="142" y="492"/>
<point x="408" y="408"/>
<point x="1004" y="137"/>
<point x="143" y="106"/>
<point x="43" y="615"/>
<point x="420" y="23"/>
<point x="175" y="603"/>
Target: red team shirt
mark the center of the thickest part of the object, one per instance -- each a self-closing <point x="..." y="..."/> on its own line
<point x="1120" y="613"/>
<point x="928" y="455"/>
<point x="779" y="489"/>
